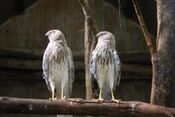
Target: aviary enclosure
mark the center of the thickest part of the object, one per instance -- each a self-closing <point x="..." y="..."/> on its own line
<point x="147" y="55"/>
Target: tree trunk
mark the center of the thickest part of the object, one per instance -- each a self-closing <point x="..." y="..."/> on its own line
<point x="163" y="81"/>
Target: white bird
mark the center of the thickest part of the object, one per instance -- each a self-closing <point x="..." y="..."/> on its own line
<point x="58" y="68"/>
<point x="105" y="65"/>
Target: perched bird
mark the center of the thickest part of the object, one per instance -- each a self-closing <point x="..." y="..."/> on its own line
<point x="105" y="65"/>
<point x="58" y="68"/>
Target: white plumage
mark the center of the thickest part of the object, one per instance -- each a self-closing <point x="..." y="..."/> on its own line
<point x="105" y="65"/>
<point x="58" y="69"/>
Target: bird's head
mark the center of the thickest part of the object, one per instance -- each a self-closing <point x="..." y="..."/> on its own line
<point x="106" y="36"/>
<point x="55" y="35"/>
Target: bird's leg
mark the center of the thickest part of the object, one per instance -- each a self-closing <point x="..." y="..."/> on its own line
<point x="100" y="99"/>
<point x="52" y="86"/>
<point x="112" y="95"/>
<point x="62" y="93"/>
<point x="53" y="93"/>
<point x="53" y="96"/>
<point x="113" y="99"/>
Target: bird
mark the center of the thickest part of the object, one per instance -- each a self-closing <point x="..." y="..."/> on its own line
<point x="105" y="66"/>
<point x="58" y="66"/>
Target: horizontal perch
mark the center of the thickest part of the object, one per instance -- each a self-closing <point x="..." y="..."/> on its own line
<point x="83" y="107"/>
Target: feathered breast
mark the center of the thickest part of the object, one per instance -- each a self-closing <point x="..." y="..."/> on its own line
<point x="59" y="53"/>
<point x="104" y="57"/>
<point x="104" y="52"/>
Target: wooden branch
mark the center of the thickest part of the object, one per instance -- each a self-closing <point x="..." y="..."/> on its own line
<point x="91" y="22"/>
<point x="147" y="35"/>
<point x="87" y="46"/>
<point x="89" y="43"/>
<point x="88" y="16"/>
<point x="83" y="107"/>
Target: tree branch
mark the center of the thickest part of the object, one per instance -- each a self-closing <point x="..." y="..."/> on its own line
<point x="147" y="35"/>
<point x="83" y="107"/>
<point x="89" y="44"/>
<point x="91" y="22"/>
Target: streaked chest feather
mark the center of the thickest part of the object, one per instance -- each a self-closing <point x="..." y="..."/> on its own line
<point x="105" y="57"/>
<point x="61" y="56"/>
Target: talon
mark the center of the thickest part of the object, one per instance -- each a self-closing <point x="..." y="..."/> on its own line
<point x="116" y="101"/>
<point x="63" y="97"/>
<point x="100" y="100"/>
<point x="53" y="98"/>
<point x="94" y="100"/>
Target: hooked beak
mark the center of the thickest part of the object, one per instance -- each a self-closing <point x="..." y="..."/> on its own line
<point x="96" y="36"/>
<point x="46" y="35"/>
